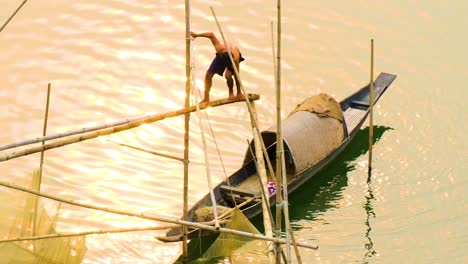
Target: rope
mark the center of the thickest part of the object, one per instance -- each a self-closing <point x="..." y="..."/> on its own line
<point x="280" y="204"/>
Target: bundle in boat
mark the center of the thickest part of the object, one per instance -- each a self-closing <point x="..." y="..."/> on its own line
<point x="312" y="130"/>
<point x="206" y="213"/>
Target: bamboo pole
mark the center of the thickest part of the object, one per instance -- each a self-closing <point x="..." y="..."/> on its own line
<point x="279" y="143"/>
<point x="264" y="196"/>
<point x="280" y="150"/>
<point x="41" y="163"/>
<point x="207" y="160"/>
<point x="250" y="111"/>
<point x="273" y="52"/>
<point x="228" y="212"/>
<point x="156" y="218"/>
<point x="371" y="107"/>
<point x="286" y="213"/>
<point x="111" y="130"/>
<point x="278" y="193"/>
<point x="147" y="151"/>
<point x="267" y="221"/>
<point x="236" y="73"/>
<point x="121" y="122"/>
<point x="188" y="85"/>
<point x="85" y="233"/>
<point x="11" y="17"/>
<point x="220" y="158"/>
<point x="44" y="132"/>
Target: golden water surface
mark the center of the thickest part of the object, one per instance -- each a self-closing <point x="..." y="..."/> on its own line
<point x="111" y="60"/>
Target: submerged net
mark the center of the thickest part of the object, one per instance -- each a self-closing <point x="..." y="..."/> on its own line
<point x="226" y="244"/>
<point x="21" y="215"/>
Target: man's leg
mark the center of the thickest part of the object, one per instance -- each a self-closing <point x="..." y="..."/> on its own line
<point x="208" y="83"/>
<point x="230" y="83"/>
<point x="239" y="95"/>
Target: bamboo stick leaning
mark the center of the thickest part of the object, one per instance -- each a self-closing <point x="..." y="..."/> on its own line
<point x="247" y="101"/>
<point x="44" y="132"/>
<point x="11" y="17"/>
<point x="196" y="95"/>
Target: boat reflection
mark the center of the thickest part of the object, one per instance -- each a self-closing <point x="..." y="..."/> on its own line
<point x="369" y="212"/>
<point x="325" y="189"/>
<point x="319" y="194"/>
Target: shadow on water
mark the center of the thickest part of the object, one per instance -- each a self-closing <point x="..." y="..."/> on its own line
<point x="325" y="188"/>
<point x="318" y="194"/>
<point x="321" y="194"/>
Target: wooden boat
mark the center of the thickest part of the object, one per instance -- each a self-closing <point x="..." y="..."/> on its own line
<point x="244" y="184"/>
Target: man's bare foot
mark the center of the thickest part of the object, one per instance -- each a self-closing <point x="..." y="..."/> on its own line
<point x="232" y="96"/>
<point x="240" y="96"/>
<point x="205" y="100"/>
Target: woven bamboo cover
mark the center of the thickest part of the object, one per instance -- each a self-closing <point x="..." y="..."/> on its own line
<point x="310" y="137"/>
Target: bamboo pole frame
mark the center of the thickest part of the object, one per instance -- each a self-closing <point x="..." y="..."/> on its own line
<point x="119" y="128"/>
<point x="176" y="221"/>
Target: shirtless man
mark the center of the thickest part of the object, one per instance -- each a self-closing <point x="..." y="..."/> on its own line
<point x="221" y="63"/>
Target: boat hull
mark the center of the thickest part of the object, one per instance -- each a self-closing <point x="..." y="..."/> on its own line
<point x="355" y="110"/>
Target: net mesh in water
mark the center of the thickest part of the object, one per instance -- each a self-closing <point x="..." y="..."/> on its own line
<point x="21" y="214"/>
<point x="226" y="244"/>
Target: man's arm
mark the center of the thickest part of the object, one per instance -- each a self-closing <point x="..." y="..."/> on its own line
<point x="217" y="45"/>
<point x="209" y="35"/>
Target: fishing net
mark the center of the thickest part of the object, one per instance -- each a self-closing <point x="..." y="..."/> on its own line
<point x="226" y="244"/>
<point x="21" y="215"/>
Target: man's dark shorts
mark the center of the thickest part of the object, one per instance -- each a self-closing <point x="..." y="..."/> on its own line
<point x="221" y="62"/>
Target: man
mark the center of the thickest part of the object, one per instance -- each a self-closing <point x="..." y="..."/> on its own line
<point x="222" y="64"/>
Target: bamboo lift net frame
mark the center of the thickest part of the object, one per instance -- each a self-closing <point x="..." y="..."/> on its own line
<point x="106" y="129"/>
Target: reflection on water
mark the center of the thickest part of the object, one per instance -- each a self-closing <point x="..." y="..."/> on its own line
<point x="323" y="191"/>
<point x="370" y="212"/>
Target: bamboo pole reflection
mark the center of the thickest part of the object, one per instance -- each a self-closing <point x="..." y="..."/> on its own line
<point x="369" y="212"/>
